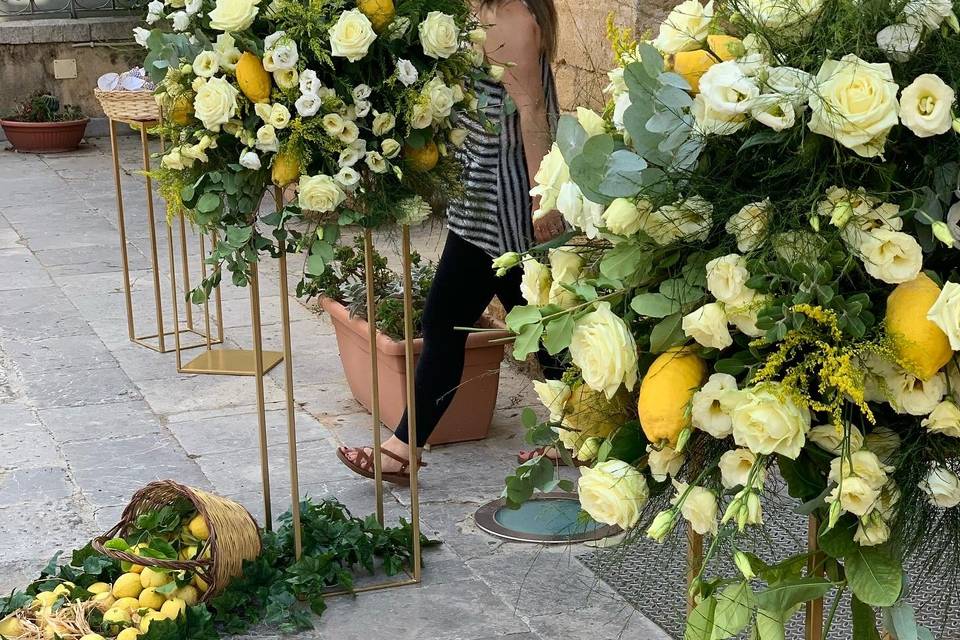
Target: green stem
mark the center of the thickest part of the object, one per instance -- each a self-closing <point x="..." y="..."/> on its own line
<point x="833" y="611"/>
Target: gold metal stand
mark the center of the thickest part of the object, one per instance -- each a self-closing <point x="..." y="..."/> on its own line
<point x="156" y="341"/>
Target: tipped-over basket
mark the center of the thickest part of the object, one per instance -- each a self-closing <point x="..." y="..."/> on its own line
<point x="128" y="106"/>
<point x="234" y="534"/>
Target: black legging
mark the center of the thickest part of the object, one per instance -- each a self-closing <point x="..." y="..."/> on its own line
<point x="464" y="285"/>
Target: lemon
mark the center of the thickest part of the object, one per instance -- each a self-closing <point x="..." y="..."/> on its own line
<point x="189" y="594"/>
<point x="423" y="159"/>
<point x="254" y="81"/>
<point x="151" y="577"/>
<point x="116" y="616"/>
<point x="188" y="553"/>
<point x="64" y="589"/>
<point x="44" y="599"/>
<point x="150" y="599"/>
<point x="666" y="392"/>
<point x="726" y="47"/>
<point x="99" y="587"/>
<point x="92" y="636"/>
<point x="129" y="604"/>
<point x="130" y="633"/>
<point x="198" y="528"/>
<point x="173" y="608"/>
<point x="286" y="168"/>
<point x="149" y="617"/>
<point x="104" y="600"/>
<point x="53" y="629"/>
<point x="380" y="12"/>
<point x="692" y="65"/>
<point x="200" y="584"/>
<point x="11" y="627"/>
<point x="920" y="344"/>
<point x="127" y="586"/>
<point x="133" y="568"/>
<point x="182" y="109"/>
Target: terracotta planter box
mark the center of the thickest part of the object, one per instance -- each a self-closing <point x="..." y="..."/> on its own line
<point x="44" y="137"/>
<point x="471" y="411"/>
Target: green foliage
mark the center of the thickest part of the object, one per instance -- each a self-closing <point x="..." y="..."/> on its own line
<point x="44" y="107"/>
<point x="875" y="574"/>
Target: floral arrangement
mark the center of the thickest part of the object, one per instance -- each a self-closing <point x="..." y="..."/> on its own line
<point x="764" y="286"/>
<point x="348" y="104"/>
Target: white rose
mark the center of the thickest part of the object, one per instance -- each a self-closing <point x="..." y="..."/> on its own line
<point x="625" y="217"/>
<point x="154" y="11"/>
<point x="591" y="122"/>
<point x="421" y="116"/>
<point x="777" y="15"/>
<point x="233" y="15"/>
<point x="890" y="256"/>
<point x="689" y="220"/>
<point x="792" y="84"/>
<point x="308" y="104"/>
<point x="407" y="74"/>
<point x="250" y="160"/>
<point x="855" y="496"/>
<point x="862" y="464"/>
<point x="686" y="28"/>
<point x="899" y="41"/>
<point x="945" y="313"/>
<point x="911" y="395"/>
<point x="578" y="211"/>
<point x="603" y="347"/>
<point x="286" y="79"/>
<point x="930" y="13"/>
<point x="553" y="394"/>
<point x="376" y="162"/>
<point x="279" y="116"/>
<point x="215" y="103"/>
<point x="699" y="507"/>
<point x="735" y="466"/>
<point x="749" y="225"/>
<point x="383" y="123"/>
<point x="872" y="530"/>
<point x="766" y="420"/>
<point x="728" y="90"/>
<point x="882" y="441"/>
<point x="267" y="138"/>
<point x="620" y="107"/>
<point x="551" y="175"/>
<point x="140" y="36"/>
<point x="840" y="111"/>
<point x="333" y="124"/>
<point x="319" y="193"/>
<point x="830" y="439"/>
<point x="535" y="283"/>
<point x="712" y="404"/>
<point x="174" y="160"/>
<point x="181" y="20"/>
<point x="390" y="148"/>
<point x="774" y="111"/>
<point x="945" y="419"/>
<point x="347" y="178"/>
<point x="925" y="106"/>
<point x="727" y="277"/>
<point x="441" y="98"/>
<point x="280" y="52"/>
<point x="351" y="36"/>
<point x="710" y="121"/>
<point x="458" y="137"/>
<point x="439" y="35"/>
<point x="664" y="463"/>
<point x="708" y="326"/>
<point x="943" y="487"/>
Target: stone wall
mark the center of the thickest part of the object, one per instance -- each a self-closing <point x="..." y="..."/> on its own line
<point x="29" y="47"/>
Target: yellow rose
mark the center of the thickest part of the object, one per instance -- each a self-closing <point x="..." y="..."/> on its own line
<point x="319" y="193"/>
<point x="613" y="492"/>
<point x="686" y="28"/>
<point x="439" y="35"/>
<point x="603" y="347"/>
<point x="535" y="283"/>
<point x="945" y="313"/>
<point x="855" y="103"/>
<point x="351" y="36"/>
<point x="699" y="507"/>
<point x="925" y="106"/>
<point x="766" y="420"/>
<point x="215" y="103"/>
<point x="233" y="15"/>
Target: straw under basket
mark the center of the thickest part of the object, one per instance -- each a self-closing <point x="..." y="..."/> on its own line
<point x="128" y="106"/>
<point x="234" y="534"/>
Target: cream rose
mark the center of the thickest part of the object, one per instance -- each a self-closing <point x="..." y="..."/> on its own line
<point x="779" y="15"/>
<point x="910" y="395"/>
<point x="735" y="466"/>
<point x="767" y="420"/>
<point x="578" y="211"/>
<point x="439" y="35"/>
<point x="708" y="326"/>
<point x="945" y="313"/>
<point x="625" y="217"/>
<point x="855" y="103"/>
<point x="441" y="98"/>
<point x="215" y="103"/>
<point x="688" y="219"/>
<point x="943" y="487"/>
<point x="603" y="347"/>
<point x="535" y="283"/>
<point x="872" y="530"/>
<point x="727" y="277"/>
<point x="890" y="256"/>
<point x="267" y="138"/>
<point x="945" y="419"/>
<point x="830" y="439"/>
<point x="728" y="90"/>
<point x="351" y="36"/>
<point x="712" y="404"/>
<point x="553" y="395"/>
<point x="279" y="116"/>
<point x="206" y="64"/>
<point x="925" y="106"/>
<point x="383" y="123"/>
<point x="711" y="121"/>
<point x="883" y="441"/>
<point x="686" y="28"/>
<point x="319" y="193"/>
<point x="613" y="492"/>
<point x="664" y="463"/>
<point x="699" y="507"/>
<point x="863" y="464"/>
<point x="286" y="79"/>
<point x="855" y="495"/>
<point x="233" y="15"/>
<point x="591" y="122"/>
<point x="749" y="225"/>
<point x="565" y="267"/>
<point x="390" y="148"/>
<point x="552" y="174"/>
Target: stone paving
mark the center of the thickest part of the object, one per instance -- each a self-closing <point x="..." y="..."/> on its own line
<point x="86" y="417"/>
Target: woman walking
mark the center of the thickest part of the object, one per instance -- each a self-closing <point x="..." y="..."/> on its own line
<point x="493" y="216"/>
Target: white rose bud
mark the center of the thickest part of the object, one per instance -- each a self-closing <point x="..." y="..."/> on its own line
<point x="250" y="160"/>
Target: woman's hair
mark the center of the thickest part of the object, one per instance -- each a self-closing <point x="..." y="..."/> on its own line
<point x="546" y="15"/>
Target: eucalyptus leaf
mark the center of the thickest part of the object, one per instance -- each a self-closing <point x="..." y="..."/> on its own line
<point x="653" y="305"/>
<point x="667" y="333"/>
<point x="621" y="261"/>
<point x="901" y="621"/>
<point x="520" y="317"/>
<point x="557" y="333"/>
<point x="570" y="137"/>
<point x="528" y="341"/>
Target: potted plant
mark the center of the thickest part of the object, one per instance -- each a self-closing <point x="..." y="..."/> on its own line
<point x="342" y="292"/>
<point x="40" y="124"/>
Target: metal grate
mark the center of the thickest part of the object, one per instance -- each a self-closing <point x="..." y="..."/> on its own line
<point x="652" y="577"/>
<point x="13" y="9"/>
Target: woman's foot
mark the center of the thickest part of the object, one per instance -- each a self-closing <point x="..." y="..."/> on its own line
<point x="394" y="461"/>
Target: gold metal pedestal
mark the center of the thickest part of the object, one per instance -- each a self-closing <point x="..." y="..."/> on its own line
<point x="157" y="341"/>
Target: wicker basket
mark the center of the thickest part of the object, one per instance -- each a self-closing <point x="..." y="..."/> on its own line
<point x="234" y="534"/>
<point x="129" y="106"/>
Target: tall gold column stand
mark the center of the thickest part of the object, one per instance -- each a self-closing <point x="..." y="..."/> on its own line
<point x="156" y="341"/>
<point x="258" y="373"/>
<point x="374" y="367"/>
<point x="694" y="564"/>
<point x="813" y="622"/>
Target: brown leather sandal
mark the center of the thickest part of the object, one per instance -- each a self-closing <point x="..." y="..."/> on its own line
<point x="526" y="456"/>
<point x="364" y="464"/>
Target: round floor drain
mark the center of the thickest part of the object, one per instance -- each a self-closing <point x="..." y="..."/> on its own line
<point x="547" y="518"/>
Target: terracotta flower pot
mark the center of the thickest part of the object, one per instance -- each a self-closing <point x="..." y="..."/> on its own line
<point x="44" y="137"/>
<point x="471" y="411"/>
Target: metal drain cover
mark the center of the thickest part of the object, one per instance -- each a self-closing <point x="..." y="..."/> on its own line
<point x="547" y="518"/>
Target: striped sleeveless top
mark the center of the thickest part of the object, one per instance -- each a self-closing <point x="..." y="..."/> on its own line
<point x="494" y="213"/>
